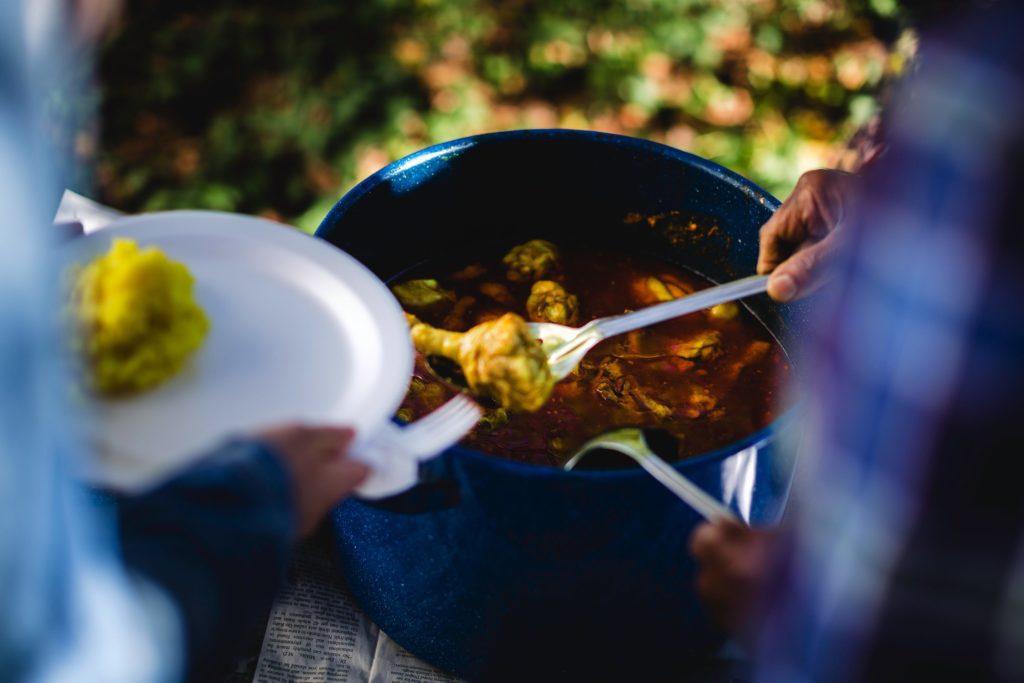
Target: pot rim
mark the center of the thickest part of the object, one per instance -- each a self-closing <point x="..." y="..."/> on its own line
<point x="457" y="145"/>
<point x="754" y="439"/>
<point x="441" y="149"/>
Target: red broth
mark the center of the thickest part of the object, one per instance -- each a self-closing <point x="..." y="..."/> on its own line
<point x="709" y="381"/>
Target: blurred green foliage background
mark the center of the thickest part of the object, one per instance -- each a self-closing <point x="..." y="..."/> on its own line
<point x="277" y="109"/>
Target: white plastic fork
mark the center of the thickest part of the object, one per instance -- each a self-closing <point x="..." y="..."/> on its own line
<point x="566" y="346"/>
<point x="438" y="430"/>
<point x="394" y="452"/>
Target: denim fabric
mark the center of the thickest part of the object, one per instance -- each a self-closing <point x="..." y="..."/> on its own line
<point x="216" y="538"/>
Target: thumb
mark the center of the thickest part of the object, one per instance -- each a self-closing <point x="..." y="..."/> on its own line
<point x="334" y="480"/>
<point x="343" y="475"/>
<point x="803" y="272"/>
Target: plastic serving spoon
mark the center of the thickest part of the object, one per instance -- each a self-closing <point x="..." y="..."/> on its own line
<point x="632" y="443"/>
<point x="566" y="346"/>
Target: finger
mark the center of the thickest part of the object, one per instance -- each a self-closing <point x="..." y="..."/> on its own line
<point x="733" y="531"/>
<point x="341" y="434"/>
<point x="812" y="211"/>
<point x="278" y="432"/>
<point x="787" y="227"/>
<point x="333" y="440"/>
<point x="780" y="234"/>
<point x="343" y="475"/>
<point x="705" y="586"/>
<point x="717" y="596"/>
<point x="712" y="585"/>
<point x="322" y="483"/>
<point x="705" y="540"/>
<point x="803" y="272"/>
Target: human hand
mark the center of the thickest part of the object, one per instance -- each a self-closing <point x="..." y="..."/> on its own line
<point x="91" y="19"/>
<point x="322" y="473"/>
<point x="798" y="241"/>
<point x="734" y="562"/>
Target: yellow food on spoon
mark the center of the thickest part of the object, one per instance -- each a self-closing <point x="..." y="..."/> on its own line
<point x="135" y="318"/>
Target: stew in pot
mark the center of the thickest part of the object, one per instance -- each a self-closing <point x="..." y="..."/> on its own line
<point x="708" y="378"/>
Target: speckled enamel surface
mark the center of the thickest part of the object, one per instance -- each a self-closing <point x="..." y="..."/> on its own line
<point x="491" y="567"/>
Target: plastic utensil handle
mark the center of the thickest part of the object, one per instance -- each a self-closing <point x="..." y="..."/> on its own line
<point x="392" y="470"/>
<point x="706" y="298"/>
<point x="694" y="496"/>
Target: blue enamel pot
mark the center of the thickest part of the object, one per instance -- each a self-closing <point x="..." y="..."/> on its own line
<point x="497" y="570"/>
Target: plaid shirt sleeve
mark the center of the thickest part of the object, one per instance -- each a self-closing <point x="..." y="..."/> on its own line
<point x="907" y="550"/>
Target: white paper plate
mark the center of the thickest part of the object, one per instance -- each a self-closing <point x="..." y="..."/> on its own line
<point x="299" y="331"/>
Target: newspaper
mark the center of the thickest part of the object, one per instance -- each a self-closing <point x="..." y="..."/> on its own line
<point x="316" y="633"/>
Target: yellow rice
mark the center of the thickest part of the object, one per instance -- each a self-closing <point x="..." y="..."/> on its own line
<point x="135" y="319"/>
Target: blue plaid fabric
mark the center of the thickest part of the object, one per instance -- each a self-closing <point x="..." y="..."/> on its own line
<point x="907" y="552"/>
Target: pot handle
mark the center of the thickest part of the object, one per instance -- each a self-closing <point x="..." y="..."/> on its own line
<point x="437" y="489"/>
